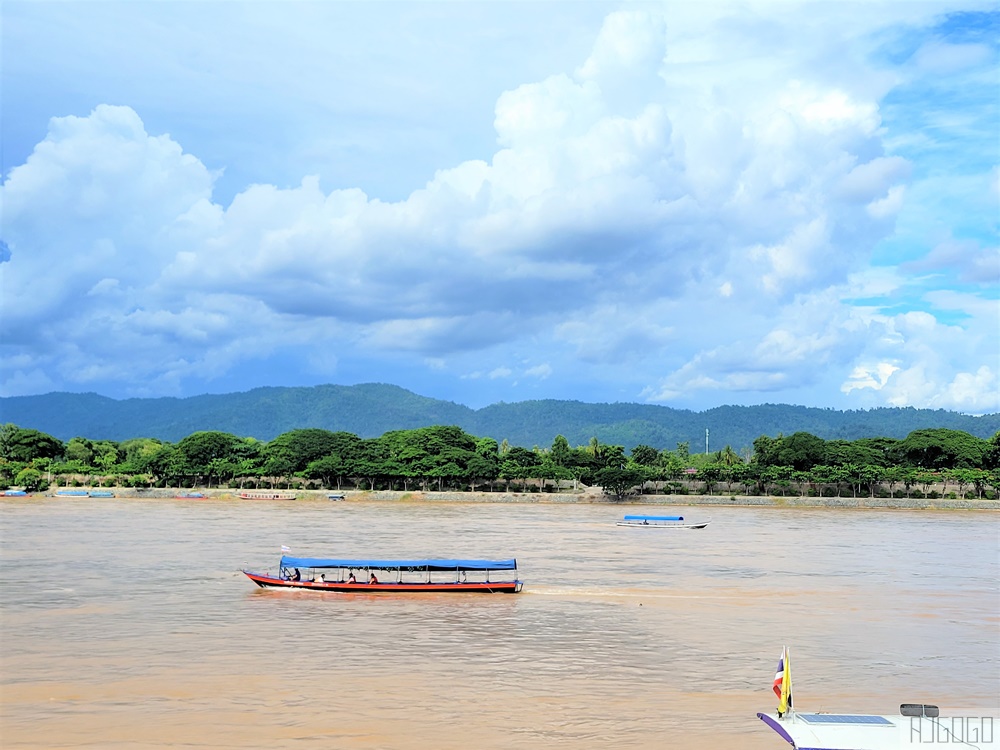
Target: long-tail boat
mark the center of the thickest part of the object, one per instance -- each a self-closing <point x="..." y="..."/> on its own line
<point x="400" y="576"/>
<point x="662" y="522"/>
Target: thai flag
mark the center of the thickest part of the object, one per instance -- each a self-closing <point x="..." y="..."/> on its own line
<point x="783" y="682"/>
<point x="285" y="549"/>
<point x="779" y="675"/>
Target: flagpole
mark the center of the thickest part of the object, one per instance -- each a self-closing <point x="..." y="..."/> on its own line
<point x="788" y="667"/>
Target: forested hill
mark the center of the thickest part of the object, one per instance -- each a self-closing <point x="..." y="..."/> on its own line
<point x="371" y="410"/>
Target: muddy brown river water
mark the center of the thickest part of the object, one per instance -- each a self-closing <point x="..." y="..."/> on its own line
<point x="127" y="623"/>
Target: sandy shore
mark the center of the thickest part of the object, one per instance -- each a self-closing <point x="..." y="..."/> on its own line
<point x="589" y="495"/>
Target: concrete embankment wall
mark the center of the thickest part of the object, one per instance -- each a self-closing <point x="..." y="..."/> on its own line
<point x="592" y="496"/>
<point x="679" y="500"/>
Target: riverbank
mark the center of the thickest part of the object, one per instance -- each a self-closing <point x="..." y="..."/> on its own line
<point x="587" y="496"/>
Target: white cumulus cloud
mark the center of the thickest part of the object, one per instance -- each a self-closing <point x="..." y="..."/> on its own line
<point x="689" y="212"/>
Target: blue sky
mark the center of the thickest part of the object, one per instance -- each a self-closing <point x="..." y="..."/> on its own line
<point x="689" y="204"/>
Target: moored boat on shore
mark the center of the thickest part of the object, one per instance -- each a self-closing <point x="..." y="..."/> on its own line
<point x="190" y="496"/>
<point x="72" y="493"/>
<point x="409" y="576"/>
<point x="266" y="495"/>
<point x="662" y="522"/>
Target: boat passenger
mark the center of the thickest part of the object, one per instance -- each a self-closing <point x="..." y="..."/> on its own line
<point x="351" y="578"/>
<point x="296" y="576"/>
<point x="373" y="579"/>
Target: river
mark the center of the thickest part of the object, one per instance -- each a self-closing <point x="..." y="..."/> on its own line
<point x="127" y="623"/>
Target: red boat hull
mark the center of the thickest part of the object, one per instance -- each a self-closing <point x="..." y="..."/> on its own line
<point x="470" y="587"/>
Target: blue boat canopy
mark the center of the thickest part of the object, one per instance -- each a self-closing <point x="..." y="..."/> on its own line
<point x="654" y="518"/>
<point x="415" y="565"/>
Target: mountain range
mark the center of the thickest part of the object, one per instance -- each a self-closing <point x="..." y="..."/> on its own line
<point x="372" y="409"/>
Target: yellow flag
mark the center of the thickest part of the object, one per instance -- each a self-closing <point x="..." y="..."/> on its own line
<point x="785" y="701"/>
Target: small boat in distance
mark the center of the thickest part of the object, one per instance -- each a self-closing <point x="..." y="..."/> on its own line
<point x="101" y="493"/>
<point x="335" y="496"/>
<point x="72" y="493"/>
<point x="190" y="496"/>
<point x="408" y="576"/>
<point x="662" y="522"/>
<point x="916" y="726"/>
<point x="267" y="495"/>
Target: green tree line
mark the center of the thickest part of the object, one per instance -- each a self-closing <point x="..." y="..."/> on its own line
<point x="446" y="457"/>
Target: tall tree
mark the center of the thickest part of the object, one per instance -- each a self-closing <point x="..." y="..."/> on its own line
<point x="137" y="453"/>
<point x="560" y="451"/>
<point x="991" y="456"/>
<point x="26" y="445"/>
<point x="80" y="449"/>
<point x="943" y="449"/>
<point x="482" y="469"/>
<point x="197" y="451"/>
<point x="645" y="455"/>
<point x="488" y="448"/>
<point x="298" y="448"/>
<point x="728" y="457"/>
<point x="595" y="448"/>
<point x="766" y="450"/>
<point x="619" y="481"/>
<point x="7" y="431"/>
<point x="710" y="474"/>
<point x="800" y="450"/>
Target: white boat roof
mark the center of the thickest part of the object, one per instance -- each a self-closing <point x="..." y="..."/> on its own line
<point x="823" y="731"/>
